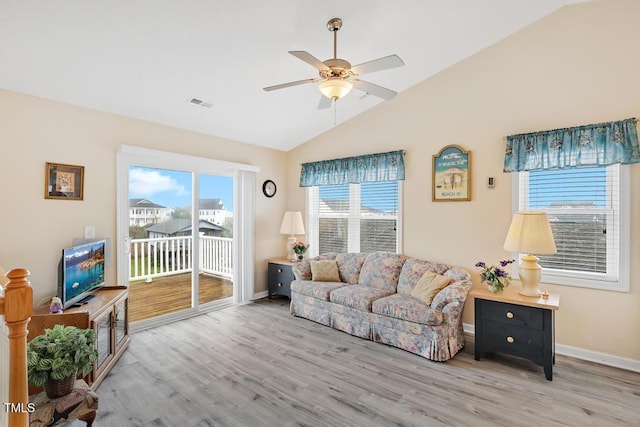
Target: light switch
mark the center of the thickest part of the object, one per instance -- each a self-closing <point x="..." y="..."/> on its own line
<point x="89" y="231"/>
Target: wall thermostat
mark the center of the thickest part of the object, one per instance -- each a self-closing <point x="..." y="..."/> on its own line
<point x="490" y="182"/>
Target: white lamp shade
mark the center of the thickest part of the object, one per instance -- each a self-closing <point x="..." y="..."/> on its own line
<point x="530" y="233"/>
<point x="335" y="88"/>
<point x="292" y="223"/>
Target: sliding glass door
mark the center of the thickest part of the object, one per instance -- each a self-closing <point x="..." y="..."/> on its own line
<point x="161" y="258"/>
<point x="179" y="250"/>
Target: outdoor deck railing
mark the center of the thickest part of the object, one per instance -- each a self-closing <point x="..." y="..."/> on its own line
<point x="158" y="257"/>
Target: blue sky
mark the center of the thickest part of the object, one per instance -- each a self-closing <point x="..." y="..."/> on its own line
<point x="173" y="188"/>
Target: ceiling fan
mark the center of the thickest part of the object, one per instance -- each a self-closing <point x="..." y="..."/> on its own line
<point x="338" y="77"/>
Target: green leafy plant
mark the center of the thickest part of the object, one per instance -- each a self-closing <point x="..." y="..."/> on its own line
<point x="300" y="247"/>
<point x="59" y="353"/>
<point x="498" y="277"/>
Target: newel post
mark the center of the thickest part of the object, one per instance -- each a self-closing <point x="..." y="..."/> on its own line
<point x="18" y="308"/>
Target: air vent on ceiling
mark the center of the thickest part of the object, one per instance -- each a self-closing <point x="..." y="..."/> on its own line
<point x="201" y="102"/>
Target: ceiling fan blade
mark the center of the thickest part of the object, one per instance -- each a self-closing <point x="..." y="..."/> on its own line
<point x="296" y="83"/>
<point x="324" y="103"/>
<point x="309" y="59"/>
<point x="373" y="89"/>
<point x="391" y="61"/>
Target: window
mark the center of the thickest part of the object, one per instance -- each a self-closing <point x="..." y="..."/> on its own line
<point x="588" y="209"/>
<point x="354" y="217"/>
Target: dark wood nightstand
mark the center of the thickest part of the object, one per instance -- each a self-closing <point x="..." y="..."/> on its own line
<point x="280" y="277"/>
<point x="513" y="324"/>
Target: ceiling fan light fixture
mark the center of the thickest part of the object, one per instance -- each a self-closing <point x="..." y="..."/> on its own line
<point x="335" y="88"/>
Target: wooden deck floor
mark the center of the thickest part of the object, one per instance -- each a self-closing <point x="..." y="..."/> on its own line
<point x="169" y="294"/>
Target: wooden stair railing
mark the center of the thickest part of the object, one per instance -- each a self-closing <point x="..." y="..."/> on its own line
<point x="17" y="308"/>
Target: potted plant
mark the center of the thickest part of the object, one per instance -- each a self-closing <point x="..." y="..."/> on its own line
<point x="300" y="248"/>
<point x="55" y="358"/>
<point x="496" y="278"/>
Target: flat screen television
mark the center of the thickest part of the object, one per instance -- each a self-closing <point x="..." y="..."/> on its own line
<point x="80" y="272"/>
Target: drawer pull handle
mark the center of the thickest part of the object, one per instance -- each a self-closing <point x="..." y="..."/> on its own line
<point x="279" y="284"/>
<point x="279" y="270"/>
<point x="509" y="315"/>
<point x="510" y="340"/>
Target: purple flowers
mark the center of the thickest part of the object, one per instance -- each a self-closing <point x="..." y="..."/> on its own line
<point x="496" y="277"/>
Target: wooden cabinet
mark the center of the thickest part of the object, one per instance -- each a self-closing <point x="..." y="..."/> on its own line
<point x="280" y="277"/>
<point x="107" y="314"/>
<point x="517" y="325"/>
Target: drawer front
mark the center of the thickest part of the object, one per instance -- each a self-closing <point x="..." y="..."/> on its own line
<point x="280" y="278"/>
<point x="514" y="340"/>
<point x="513" y="315"/>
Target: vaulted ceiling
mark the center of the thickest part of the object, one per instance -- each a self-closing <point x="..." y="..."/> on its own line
<point x="147" y="58"/>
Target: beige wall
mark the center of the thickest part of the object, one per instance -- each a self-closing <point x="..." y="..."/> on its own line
<point x="33" y="230"/>
<point x="577" y="66"/>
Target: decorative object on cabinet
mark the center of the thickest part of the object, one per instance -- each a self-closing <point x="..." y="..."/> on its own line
<point x="530" y="233"/>
<point x="300" y="248"/>
<point x="280" y="277"/>
<point x="451" y="175"/>
<point x="496" y="278"/>
<point x="292" y="225"/>
<point x="56" y="357"/>
<point x="106" y="314"/>
<point x="512" y="324"/>
<point x="269" y="188"/>
<point x="65" y="182"/>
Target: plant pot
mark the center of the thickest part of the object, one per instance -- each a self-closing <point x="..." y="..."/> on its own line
<point x="300" y="257"/>
<point x="59" y="388"/>
<point x="496" y="289"/>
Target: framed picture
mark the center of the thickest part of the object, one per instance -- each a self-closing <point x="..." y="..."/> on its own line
<point x="64" y="182"/>
<point x="451" y="175"/>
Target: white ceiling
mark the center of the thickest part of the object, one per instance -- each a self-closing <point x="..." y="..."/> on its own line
<point x="147" y="58"/>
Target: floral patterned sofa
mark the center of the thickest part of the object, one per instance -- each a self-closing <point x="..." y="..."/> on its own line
<point x="373" y="301"/>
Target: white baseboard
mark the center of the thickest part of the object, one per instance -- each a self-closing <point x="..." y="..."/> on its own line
<point x="581" y="353"/>
<point x="259" y="295"/>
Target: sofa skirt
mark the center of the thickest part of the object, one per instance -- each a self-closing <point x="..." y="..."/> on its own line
<point x="437" y="342"/>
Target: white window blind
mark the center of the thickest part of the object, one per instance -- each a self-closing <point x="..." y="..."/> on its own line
<point x="354" y="217"/>
<point x="586" y="207"/>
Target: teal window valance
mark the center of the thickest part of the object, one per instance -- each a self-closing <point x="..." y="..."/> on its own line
<point x="352" y="170"/>
<point x="600" y="144"/>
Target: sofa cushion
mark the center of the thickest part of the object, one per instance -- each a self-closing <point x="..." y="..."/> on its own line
<point x="413" y="269"/>
<point x="319" y="290"/>
<point x="405" y="307"/>
<point x="429" y="285"/>
<point x="381" y="270"/>
<point x="302" y="270"/>
<point x="358" y="296"/>
<point x="350" y="265"/>
<point x="324" y="271"/>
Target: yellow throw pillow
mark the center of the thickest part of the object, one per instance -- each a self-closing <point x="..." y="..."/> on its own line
<point x="325" y="271"/>
<point x="429" y="285"/>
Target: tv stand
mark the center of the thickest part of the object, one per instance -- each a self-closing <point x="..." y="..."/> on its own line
<point x="83" y="301"/>
<point x="106" y="313"/>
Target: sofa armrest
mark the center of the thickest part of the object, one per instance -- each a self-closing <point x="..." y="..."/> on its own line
<point x="302" y="270"/>
<point x="456" y="294"/>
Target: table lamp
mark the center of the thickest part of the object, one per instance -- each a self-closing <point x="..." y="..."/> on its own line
<point x="530" y="233"/>
<point x="292" y="225"/>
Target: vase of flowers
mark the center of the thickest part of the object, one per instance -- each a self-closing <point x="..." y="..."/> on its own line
<point x="496" y="278"/>
<point x="300" y="248"/>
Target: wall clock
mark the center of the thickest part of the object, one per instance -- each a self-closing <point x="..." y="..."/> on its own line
<point x="269" y="188"/>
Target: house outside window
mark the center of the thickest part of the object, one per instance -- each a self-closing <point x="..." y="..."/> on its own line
<point x="361" y="217"/>
<point x="588" y="210"/>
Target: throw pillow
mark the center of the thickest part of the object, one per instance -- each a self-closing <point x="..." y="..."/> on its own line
<point x="429" y="285"/>
<point x="325" y="271"/>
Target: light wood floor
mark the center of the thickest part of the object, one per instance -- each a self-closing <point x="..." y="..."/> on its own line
<point x="256" y="365"/>
<point x="173" y="293"/>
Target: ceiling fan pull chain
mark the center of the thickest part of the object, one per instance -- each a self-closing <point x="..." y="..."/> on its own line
<point x="335" y="114"/>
